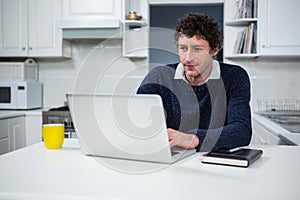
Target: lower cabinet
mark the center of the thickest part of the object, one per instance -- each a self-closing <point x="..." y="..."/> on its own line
<point x="12" y="135"/>
<point x="20" y="131"/>
<point x="33" y="128"/>
<point x="263" y="136"/>
<point x="16" y="130"/>
<point x="4" y="145"/>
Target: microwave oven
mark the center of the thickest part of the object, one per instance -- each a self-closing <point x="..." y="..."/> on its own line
<point x="20" y="95"/>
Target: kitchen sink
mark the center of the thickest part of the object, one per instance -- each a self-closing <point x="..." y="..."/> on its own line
<point x="287" y="120"/>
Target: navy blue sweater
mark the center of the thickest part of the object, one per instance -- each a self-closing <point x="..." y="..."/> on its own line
<point x="218" y="112"/>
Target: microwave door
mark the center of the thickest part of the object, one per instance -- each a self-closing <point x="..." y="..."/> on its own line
<point x="7" y="96"/>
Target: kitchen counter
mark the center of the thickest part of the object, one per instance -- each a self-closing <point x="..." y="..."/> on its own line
<point x="17" y="113"/>
<point x="276" y="129"/>
<point x="35" y="172"/>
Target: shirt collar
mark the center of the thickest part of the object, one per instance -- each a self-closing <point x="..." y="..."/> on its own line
<point x="215" y="72"/>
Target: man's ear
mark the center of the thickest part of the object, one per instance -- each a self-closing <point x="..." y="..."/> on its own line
<point x="215" y="51"/>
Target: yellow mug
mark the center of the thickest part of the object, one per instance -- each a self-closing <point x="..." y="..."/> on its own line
<point x="53" y="135"/>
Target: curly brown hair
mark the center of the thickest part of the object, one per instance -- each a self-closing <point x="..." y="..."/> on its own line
<point x="201" y="25"/>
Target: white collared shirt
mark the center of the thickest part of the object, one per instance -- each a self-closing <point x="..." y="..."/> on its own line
<point x="214" y="74"/>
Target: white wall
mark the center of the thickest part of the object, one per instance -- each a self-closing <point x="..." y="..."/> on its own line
<point x="94" y="67"/>
<point x="272" y="78"/>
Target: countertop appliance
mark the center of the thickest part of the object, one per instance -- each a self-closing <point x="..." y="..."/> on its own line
<point x="19" y="71"/>
<point x="60" y="115"/>
<point x="20" y="95"/>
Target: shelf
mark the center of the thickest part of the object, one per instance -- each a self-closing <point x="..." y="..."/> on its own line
<point x="249" y="55"/>
<point x="81" y="24"/>
<point x="135" y="56"/>
<point x="135" y="22"/>
<point x="241" y="22"/>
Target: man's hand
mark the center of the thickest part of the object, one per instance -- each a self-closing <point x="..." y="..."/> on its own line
<point x="185" y="140"/>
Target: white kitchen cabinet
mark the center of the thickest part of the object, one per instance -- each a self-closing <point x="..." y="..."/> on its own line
<point x="33" y="121"/>
<point x="91" y="9"/>
<point x="277" y="29"/>
<point x="13" y="28"/>
<point x="19" y="129"/>
<point x="16" y="131"/>
<point x="263" y="136"/>
<point x="12" y="134"/>
<point x="4" y="143"/>
<point x="28" y="29"/>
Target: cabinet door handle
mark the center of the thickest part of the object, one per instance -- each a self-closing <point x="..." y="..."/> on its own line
<point x="30" y="48"/>
<point x="23" y="48"/>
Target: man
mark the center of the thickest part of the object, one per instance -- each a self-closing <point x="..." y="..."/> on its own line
<point x="206" y="102"/>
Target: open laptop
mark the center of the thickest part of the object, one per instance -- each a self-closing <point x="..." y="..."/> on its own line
<point x="119" y="126"/>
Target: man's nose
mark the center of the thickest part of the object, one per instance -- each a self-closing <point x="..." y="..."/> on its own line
<point x="189" y="55"/>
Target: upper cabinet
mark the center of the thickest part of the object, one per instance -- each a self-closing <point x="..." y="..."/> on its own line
<point x="280" y="27"/>
<point x="13" y="28"/>
<point x="253" y="28"/>
<point x="92" y="9"/>
<point x="28" y="29"/>
<point x="91" y="19"/>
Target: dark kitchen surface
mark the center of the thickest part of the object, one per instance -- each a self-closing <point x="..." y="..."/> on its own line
<point x="62" y="108"/>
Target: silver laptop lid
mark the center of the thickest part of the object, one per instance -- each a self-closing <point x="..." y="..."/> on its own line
<point x="130" y="127"/>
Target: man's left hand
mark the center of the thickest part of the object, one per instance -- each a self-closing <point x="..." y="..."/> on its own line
<point x="185" y="140"/>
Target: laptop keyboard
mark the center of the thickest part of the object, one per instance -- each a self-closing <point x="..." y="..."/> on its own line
<point x="176" y="150"/>
<point x="173" y="153"/>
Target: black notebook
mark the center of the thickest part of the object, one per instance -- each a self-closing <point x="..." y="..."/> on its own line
<point x="240" y="157"/>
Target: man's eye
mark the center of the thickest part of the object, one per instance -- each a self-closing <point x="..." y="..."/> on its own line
<point x="182" y="48"/>
<point x="198" y="49"/>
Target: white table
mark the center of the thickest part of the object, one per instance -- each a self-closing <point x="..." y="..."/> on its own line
<point x="38" y="173"/>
